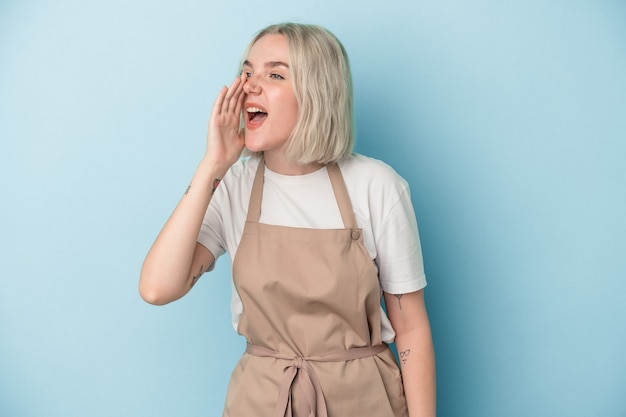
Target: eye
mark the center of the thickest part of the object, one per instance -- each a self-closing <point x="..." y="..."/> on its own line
<point x="276" y="76"/>
<point x="248" y="74"/>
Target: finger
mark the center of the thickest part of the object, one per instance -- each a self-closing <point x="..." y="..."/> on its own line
<point x="236" y="100"/>
<point x="232" y="90"/>
<point x="217" y="104"/>
<point x="240" y="101"/>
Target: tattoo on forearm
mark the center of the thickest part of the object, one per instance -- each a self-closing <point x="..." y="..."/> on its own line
<point x="216" y="182"/>
<point x="399" y="296"/>
<point x="195" y="278"/>
<point x="404" y="355"/>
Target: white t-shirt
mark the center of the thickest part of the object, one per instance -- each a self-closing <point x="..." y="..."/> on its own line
<point x="380" y="199"/>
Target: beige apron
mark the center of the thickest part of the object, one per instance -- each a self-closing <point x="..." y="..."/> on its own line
<point x="311" y="316"/>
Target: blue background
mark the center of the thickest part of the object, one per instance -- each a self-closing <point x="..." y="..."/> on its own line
<point x="507" y="118"/>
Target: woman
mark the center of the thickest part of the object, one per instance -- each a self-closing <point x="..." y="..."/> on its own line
<point x="314" y="232"/>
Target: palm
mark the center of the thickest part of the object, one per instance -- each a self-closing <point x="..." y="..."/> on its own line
<point x="224" y="139"/>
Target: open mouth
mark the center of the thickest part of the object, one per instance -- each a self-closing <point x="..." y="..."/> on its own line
<point x="256" y="114"/>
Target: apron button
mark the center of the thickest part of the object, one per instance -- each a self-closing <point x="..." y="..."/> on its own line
<point x="356" y="235"/>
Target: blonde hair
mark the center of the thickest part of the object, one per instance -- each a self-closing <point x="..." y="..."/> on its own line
<point x="324" y="131"/>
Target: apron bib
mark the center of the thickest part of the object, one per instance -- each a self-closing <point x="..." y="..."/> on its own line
<point x="311" y="316"/>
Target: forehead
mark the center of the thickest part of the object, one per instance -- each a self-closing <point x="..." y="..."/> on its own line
<point x="269" y="48"/>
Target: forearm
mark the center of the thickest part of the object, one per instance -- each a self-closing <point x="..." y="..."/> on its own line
<point x="176" y="260"/>
<point x="167" y="272"/>
<point x="415" y="351"/>
<point x="417" y="362"/>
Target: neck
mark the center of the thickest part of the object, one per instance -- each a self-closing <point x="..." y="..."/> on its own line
<point x="281" y="165"/>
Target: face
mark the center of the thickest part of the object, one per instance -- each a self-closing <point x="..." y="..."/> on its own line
<point x="271" y="108"/>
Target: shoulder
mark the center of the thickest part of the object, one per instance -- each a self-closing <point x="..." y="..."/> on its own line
<point x="242" y="169"/>
<point x="234" y="190"/>
<point x="373" y="173"/>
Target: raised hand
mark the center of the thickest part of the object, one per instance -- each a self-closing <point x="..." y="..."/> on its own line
<point x="225" y="139"/>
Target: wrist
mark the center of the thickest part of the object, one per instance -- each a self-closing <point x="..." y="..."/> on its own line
<point x="207" y="177"/>
<point x="211" y="170"/>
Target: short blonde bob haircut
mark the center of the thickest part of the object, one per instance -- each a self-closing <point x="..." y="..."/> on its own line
<point x="324" y="131"/>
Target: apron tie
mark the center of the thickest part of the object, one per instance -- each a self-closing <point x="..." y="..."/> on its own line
<point x="310" y="387"/>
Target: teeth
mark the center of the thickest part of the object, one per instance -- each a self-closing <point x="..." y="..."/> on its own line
<point x="254" y="110"/>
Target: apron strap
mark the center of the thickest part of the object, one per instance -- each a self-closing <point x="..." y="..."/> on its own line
<point x="342" y="196"/>
<point x="336" y="180"/>
<point x="310" y="387"/>
<point x="254" y="206"/>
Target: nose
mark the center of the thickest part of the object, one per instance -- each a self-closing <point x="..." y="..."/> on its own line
<point x="251" y="85"/>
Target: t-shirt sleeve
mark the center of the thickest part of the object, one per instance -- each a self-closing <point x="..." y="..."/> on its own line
<point x="225" y="217"/>
<point x="399" y="252"/>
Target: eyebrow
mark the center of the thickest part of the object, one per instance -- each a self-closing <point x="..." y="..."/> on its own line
<point x="270" y="64"/>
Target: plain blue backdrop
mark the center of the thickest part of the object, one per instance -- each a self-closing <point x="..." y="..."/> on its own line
<point x="507" y="118"/>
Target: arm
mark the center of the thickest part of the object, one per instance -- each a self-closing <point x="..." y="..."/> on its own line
<point x="176" y="260"/>
<point x="408" y="316"/>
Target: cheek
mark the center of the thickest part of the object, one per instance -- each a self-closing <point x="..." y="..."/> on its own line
<point x="293" y="112"/>
<point x="294" y="117"/>
<point x="288" y="109"/>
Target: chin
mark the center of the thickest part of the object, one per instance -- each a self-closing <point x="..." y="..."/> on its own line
<point x="253" y="147"/>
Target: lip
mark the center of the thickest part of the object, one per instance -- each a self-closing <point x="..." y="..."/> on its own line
<point x="249" y="104"/>
<point x="254" y="124"/>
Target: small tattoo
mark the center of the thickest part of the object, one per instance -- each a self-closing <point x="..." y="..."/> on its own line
<point x="399" y="296"/>
<point x="196" y="277"/>
<point x="187" y="190"/>
<point x="216" y="182"/>
<point x="404" y="355"/>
